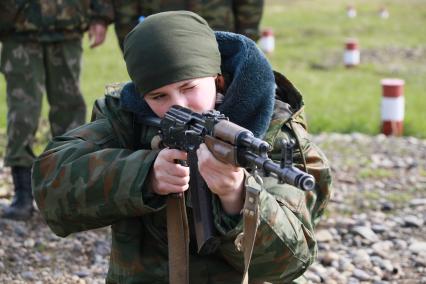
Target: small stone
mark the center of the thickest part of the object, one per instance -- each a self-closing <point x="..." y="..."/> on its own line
<point x="421" y="260"/>
<point x="382" y="248"/>
<point x="20" y="230"/>
<point x="323" y="236"/>
<point x="345" y="265"/>
<point x="417" y="247"/>
<point x="82" y="274"/>
<point x="400" y="244"/>
<point x="412" y="221"/>
<point x="361" y="258"/>
<point x="387" y="206"/>
<point x="387" y="265"/>
<point x="378" y="273"/>
<point x="319" y="270"/>
<point x="329" y="257"/>
<point x="361" y="274"/>
<point x="366" y="233"/>
<point x="313" y="277"/>
<point x="418" y="202"/>
<point x="378" y="228"/>
<point x="353" y="280"/>
<point x="28" y="275"/>
<point x="29" y="243"/>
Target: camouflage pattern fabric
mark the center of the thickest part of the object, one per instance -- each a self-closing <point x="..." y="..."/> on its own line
<point x="30" y="69"/>
<point x="222" y="15"/>
<point x="96" y="176"/>
<point x="51" y="20"/>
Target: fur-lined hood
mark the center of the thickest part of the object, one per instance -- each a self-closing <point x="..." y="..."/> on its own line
<point x="250" y="92"/>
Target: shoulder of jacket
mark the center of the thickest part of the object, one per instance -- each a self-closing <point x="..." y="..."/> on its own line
<point x="287" y="92"/>
<point x="114" y="90"/>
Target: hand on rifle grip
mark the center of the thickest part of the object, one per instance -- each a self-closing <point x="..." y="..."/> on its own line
<point x="181" y="162"/>
<point x="167" y="176"/>
<point x="185" y="164"/>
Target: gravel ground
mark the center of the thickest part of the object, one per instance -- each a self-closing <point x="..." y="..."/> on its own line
<point x="374" y="231"/>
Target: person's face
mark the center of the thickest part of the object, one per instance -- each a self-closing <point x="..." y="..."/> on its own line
<point x="199" y="95"/>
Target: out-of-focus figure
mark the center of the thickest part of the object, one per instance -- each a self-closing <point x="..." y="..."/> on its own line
<point x="241" y="17"/>
<point x="41" y="52"/>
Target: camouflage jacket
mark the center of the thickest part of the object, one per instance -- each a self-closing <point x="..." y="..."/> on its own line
<point x="242" y="17"/>
<point x="51" y="20"/>
<point x="96" y="175"/>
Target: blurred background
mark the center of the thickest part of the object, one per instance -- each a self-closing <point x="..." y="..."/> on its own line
<point x="374" y="227"/>
<point x="310" y="41"/>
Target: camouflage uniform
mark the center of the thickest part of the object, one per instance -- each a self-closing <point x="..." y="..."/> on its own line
<point x="42" y="52"/>
<point x="223" y="15"/>
<point x="96" y="175"/>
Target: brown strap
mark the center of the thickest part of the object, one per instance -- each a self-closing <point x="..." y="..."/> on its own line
<point x="178" y="239"/>
<point x="245" y="241"/>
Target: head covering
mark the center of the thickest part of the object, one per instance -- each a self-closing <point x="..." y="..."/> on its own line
<point x="170" y="47"/>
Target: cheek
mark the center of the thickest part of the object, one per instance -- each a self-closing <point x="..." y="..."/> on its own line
<point x="158" y="108"/>
<point x="211" y="100"/>
<point x="204" y="102"/>
<point x="207" y="99"/>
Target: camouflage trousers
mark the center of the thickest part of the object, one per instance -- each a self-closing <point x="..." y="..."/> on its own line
<point x="222" y="15"/>
<point x="32" y="69"/>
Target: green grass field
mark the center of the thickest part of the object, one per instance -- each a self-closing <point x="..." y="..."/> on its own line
<point x="310" y="38"/>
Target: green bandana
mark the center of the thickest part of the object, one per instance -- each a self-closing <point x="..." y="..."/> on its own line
<point x="170" y="47"/>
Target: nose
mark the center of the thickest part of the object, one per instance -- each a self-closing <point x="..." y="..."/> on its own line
<point x="179" y="99"/>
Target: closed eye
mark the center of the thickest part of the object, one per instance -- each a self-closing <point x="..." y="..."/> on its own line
<point x="190" y="87"/>
<point x="156" y="97"/>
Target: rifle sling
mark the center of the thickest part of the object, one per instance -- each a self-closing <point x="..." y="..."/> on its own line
<point x="245" y="241"/>
<point x="178" y="233"/>
<point x="178" y="239"/>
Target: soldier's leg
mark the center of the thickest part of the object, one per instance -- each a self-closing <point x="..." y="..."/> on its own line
<point x="22" y="65"/>
<point x="126" y="15"/>
<point x="67" y="106"/>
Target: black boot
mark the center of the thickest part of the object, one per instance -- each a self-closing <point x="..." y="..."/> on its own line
<point x="22" y="204"/>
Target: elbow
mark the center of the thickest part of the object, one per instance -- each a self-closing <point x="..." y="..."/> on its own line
<point x="288" y="258"/>
<point x="58" y="228"/>
<point x="47" y="198"/>
<point x="286" y="269"/>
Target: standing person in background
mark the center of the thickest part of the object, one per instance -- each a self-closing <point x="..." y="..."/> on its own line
<point x="41" y="51"/>
<point x="241" y="17"/>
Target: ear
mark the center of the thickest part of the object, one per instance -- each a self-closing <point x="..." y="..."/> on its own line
<point x="220" y="84"/>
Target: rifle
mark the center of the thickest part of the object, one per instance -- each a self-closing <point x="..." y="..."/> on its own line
<point x="230" y="143"/>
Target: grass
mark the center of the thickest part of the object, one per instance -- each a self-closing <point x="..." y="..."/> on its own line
<point x="378" y="173"/>
<point x="310" y="38"/>
<point x="399" y="198"/>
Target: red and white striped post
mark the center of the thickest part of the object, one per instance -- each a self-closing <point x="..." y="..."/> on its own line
<point x="392" y="106"/>
<point x="351" y="57"/>
<point x="267" y="41"/>
<point x="383" y="13"/>
<point x="351" y="11"/>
